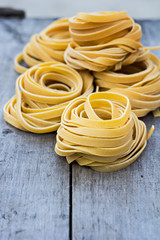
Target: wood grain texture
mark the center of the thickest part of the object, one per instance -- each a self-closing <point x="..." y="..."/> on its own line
<point x="34" y="181"/>
<point x="124" y="205"/>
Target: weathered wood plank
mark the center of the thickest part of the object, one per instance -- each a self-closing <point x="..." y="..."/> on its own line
<point x="125" y="204"/>
<point x="34" y="181"/>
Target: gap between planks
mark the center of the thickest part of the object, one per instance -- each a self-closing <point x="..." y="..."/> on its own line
<point x="70" y="201"/>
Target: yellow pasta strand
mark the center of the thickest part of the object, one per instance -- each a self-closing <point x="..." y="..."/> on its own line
<point x="101" y="131"/>
<point x="140" y="82"/>
<point x="104" y="40"/>
<point x="42" y="93"/>
<point x="49" y="45"/>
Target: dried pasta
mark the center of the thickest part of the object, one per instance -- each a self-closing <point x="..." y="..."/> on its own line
<point x="49" y="45"/>
<point x="42" y="93"/>
<point x="101" y="131"/>
<point x="140" y="82"/>
<point x="104" y="40"/>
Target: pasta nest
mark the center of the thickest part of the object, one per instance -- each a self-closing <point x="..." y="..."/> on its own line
<point x="104" y="40"/>
<point x="140" y="82"/>
<point x="101" y="131"/>
<point x="49" y="45"/>
<point x="42" y="93"/>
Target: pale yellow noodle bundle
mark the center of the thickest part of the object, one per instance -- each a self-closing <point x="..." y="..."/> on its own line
<point x="104" y="40"/>
<point x="140" y="82"/>
<point x="101" y="131"/>
<point x="49" y="45"/>
<point x="42" y="93"/>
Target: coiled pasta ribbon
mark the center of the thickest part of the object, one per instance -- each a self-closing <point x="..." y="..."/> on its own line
<point x="140" y="82"/>
<point x="49" y="45"/>
<point x="104" y="40"/>
<point x="103" y="27"/>
<point x="101" y="131"/>
<point x="42" y="93"/>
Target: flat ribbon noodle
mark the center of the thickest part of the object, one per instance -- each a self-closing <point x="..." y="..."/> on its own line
<point x="103" y="40"/>
<point x="42" y="93"/>
<point x="101" y="131"/>
<point x="49" y="45"/>
<point x="140" y="82"/>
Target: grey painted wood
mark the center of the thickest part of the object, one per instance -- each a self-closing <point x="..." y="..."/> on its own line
<point x="34" y="181"/>
<point x="124" y="205"/>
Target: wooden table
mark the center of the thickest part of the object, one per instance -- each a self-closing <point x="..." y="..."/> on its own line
<point x="43" y="198"/>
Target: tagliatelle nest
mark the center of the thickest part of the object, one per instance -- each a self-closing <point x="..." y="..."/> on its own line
<point x="104" y="40"/>
<point x="49" y="45"/>
<point x="42" y="93"/>
<point x="102" y="49"/>
<point x="101" y="131"/>
<point x="140" y="82"/>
